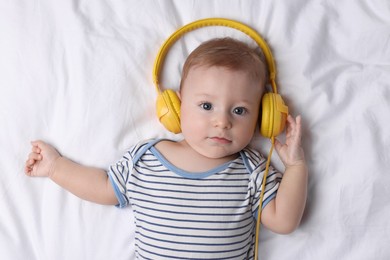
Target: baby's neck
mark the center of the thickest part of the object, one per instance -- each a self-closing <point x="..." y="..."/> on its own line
<point x="181" y="155"/>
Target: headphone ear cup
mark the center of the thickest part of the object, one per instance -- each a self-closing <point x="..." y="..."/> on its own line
<point x="274" y="115"/>
<point x="168" y="110"/>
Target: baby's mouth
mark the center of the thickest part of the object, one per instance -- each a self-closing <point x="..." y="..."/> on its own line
<point x="220" y="140"/>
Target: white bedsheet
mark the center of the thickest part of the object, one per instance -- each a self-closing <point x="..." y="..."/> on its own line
<point x="77" y="74"/>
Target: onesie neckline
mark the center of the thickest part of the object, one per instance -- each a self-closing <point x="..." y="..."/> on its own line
<point x="187" y="174"/>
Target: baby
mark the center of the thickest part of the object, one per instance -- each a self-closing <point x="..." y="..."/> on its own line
<point x="198" y="198"/>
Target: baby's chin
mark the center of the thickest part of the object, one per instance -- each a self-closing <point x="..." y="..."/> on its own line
<point x="220" y="154"/>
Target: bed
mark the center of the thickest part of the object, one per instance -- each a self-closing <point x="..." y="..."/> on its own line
<point x="78" y="75"/>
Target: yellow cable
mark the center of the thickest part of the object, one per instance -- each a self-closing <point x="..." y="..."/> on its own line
<point x="258" y="223"/>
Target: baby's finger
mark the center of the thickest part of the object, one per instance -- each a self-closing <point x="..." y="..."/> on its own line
<point x="298" y="119"/>
<point x="296" y="132"/>
<point x="29" y="167"/>
<point x="290" y="119"/>
<point x="298" y="125"/>
<point x="27" y="170"/>
<point x="36" y="149"/>
<point x="38" y="143"/>
<point x="34" y="156"/>
<point x="290" y="122"/>
<point x="30" y="162"/>
<point x="290" y="125"/>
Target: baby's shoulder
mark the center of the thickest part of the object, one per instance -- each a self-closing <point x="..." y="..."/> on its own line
<point x="252" y="158"/>
<point x="138" y="149"/>
<point x="165" y="146"/>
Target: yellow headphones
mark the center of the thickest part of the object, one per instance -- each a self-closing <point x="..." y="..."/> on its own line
<point x="274" y="111"/>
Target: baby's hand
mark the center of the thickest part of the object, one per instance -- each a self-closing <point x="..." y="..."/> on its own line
<point x="41" y="160"/>
<point x="291" y="153"/>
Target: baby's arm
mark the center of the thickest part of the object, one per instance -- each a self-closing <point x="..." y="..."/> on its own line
<point x="88" y="183"/>
<point x="284" y="213"/>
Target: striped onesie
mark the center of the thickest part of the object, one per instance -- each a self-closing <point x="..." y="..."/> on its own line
<point x="184" y="215"/>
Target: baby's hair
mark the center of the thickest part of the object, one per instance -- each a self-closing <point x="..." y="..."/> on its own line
<point x="229" y="53"/>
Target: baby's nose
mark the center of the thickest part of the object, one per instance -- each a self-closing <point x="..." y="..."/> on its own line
<point x="222" y="120"/>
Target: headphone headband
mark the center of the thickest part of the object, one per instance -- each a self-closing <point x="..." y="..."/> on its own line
<point x="215" y="22"/>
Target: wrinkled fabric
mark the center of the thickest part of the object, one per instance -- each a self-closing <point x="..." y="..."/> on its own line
<point x="78" y="75"/>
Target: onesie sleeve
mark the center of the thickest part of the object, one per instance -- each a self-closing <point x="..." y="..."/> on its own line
<point x="118" y="174"/>
<point x="256" y="162"/>
<point x="271" y="187"/>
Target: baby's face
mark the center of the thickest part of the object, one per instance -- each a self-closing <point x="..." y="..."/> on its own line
<point x="219" y="110"/>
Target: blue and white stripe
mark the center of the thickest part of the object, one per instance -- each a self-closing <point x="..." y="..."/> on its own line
<point x="182" y="215"/>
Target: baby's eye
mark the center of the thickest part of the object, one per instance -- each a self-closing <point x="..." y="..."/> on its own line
<point x="206" y="106"/>
<point x="239" y="110"/>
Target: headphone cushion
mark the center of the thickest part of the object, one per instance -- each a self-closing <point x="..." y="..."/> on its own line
<point x="168" y="110"/>
<point x="274" y="115"/>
